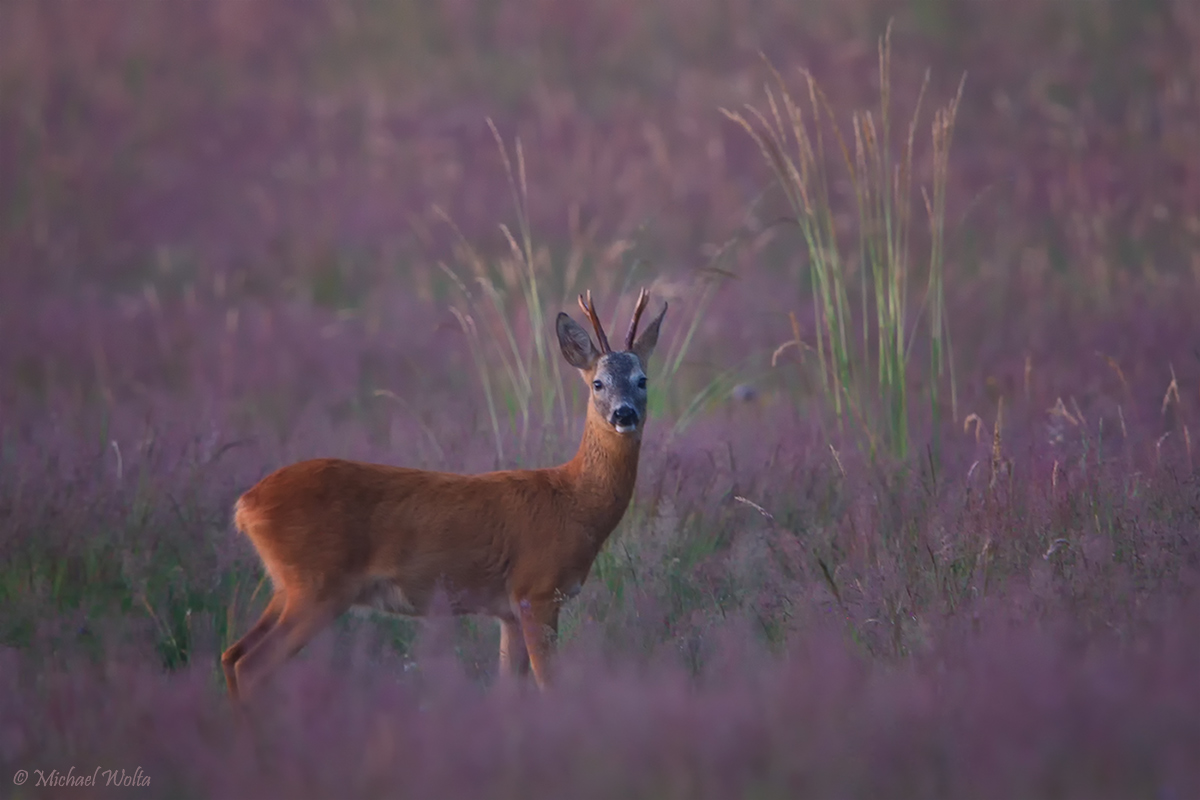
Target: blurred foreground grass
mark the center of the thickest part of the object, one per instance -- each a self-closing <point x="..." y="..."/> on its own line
<point x="232" y="235"/>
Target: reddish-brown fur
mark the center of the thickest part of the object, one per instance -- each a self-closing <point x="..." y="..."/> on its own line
<point x="513" y="544"/>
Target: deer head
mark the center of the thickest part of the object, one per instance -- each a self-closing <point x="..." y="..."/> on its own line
<point x="617" y="379"/>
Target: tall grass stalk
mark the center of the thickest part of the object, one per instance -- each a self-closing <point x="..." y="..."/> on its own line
<point x="805" y="184"/>
<point x="524" y="376"/>
<point x="547" y="364"/>
<point x="793" y="145"/>
<point x="941" y="351"/>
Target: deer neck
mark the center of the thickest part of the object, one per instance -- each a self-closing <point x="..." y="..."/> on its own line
<point x="603" y="473"/>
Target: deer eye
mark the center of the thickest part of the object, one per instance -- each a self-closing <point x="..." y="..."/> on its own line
<point x="642" y="382"/>
<point x="597" y="385"/>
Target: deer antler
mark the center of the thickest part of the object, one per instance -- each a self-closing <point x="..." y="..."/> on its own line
<point x="642" y="300"/>
<point x="590" y="310"/>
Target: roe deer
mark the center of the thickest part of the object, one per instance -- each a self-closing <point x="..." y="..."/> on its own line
<point x="333" y="534"/>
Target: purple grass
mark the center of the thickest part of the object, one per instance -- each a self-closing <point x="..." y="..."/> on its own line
<point x="222" y="239"/>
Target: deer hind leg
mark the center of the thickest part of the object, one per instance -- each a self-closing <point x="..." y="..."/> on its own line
<point x="514" y="658"/>
<point x="302" y="619"/>
<point x="230" y="657"/>
<point x="539" y="623"/>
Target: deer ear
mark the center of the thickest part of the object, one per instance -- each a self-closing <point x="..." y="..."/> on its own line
<point x="643" y="348"/>
<point x="576" y="344"/>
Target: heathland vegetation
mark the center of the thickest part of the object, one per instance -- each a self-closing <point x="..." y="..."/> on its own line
<point x="916" y="515"/>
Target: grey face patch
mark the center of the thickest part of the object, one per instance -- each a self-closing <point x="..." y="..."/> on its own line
<point x="619" y="391"/>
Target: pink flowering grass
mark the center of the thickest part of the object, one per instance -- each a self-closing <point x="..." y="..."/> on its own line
<point x="234" y="235"/>
<point x="774" y="616"/>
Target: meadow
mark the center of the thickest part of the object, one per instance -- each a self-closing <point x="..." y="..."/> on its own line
<point x="916" y="514"/>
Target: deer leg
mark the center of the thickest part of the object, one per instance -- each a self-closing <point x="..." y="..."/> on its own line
<point x="514" y="658"/>
<point x="539" y="623"/>
<point x="301" y="620"/>
<point x="239" y="648"/>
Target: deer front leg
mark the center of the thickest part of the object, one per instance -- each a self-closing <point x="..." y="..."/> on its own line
<point x="539" y="623"/>
<point x="514" y="659"/>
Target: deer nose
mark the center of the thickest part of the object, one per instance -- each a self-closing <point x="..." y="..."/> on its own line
<point x="625" y="417"/>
